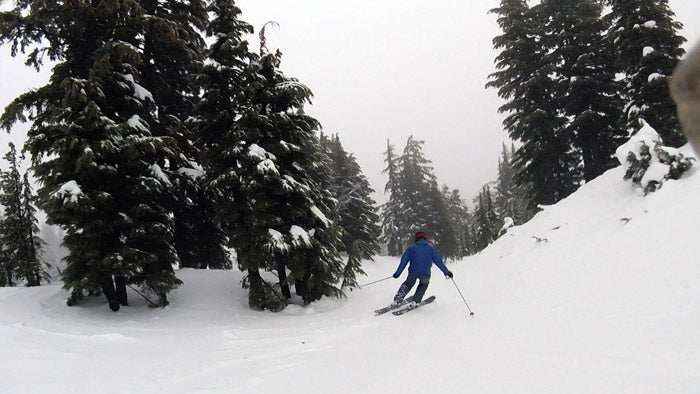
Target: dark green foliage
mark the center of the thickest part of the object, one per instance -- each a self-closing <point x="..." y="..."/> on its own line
<point x="459" y="218"/>
<point x="647" y="48"/>
<point x="449" y="213"/>
<point x="6" y="267"/>
<point x="639" y="162"/>
<point x="98" y="144"/>
<point x="21" y="253"/>
<point x="545" y="159"/>
<point x="416" y="203"/>
<point x="587" y="92"/>
<point x="263" y="164"/>
<point x="32" y="267"/>
<point x="11" y="227"/>
<point x="556" y="69"/>
<point x="511" y="198"/>
<point x="391" y="213"/>
<point x="355" y="211"/>
<point x="199" y="240"/>
<point x="487" y="221"/>
<point x="416" y="180"/>
<point x="173" y="55"/>
<point x="638" y="165"/>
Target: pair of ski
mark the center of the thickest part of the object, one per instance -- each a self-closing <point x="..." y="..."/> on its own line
<point x="401" y="308"/>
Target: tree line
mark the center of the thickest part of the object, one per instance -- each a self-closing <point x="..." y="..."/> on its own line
<point x="416" y="202"/>
<point x="579" y="77"/>
<point x="158" y="149"/>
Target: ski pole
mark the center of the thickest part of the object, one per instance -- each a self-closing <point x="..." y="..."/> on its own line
<point x="376" y="281"/>
<point x="465" y="301"/>
<point x="153" y="304"/>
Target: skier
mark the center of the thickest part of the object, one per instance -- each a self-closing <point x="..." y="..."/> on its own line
<point x="421" y="255"/>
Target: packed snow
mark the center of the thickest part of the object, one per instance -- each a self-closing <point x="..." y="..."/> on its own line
<point x="596" y="294"/>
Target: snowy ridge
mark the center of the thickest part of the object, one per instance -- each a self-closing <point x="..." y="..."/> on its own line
<point x="596" y="294"/>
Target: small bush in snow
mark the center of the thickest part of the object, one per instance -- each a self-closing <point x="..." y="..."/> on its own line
<point x="649" y="162"/>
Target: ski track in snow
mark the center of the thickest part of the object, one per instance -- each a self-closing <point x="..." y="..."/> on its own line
<point x="609" y="303"/>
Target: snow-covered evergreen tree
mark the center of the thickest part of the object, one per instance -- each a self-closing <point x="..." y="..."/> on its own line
<point x="487" y="221"/>
<point x="12" y="224"/>
<point x="355" y="211"/>
<point x="587" y="92"/>
<point x="416" y="203"/>
<point x="452" y="214"/>
<point x="459" y="217"/>
<point x="173" y="54"/>
<point x="199" y="239"/>
<point x="33" y="267"/>
<point x="290" y="208"/>
<point x="22" y="246"/>
<point x="392" y="211"/>
<point x="647" y="47"/>
<point x="263" y="165"/>
<point x="416" y="179"/>
<point x="468" y="245"/>
<point x="545" y="159"/>
<point x="649" y="162"/>
<point x="95" y="148"/>
<point x="511" y="199"/>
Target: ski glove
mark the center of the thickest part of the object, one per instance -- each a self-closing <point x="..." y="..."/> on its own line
<point x="449" y="274"/>
<point x="396" y="275"/>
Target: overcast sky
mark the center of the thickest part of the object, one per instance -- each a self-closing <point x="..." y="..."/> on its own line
<point x="387" y="69"/>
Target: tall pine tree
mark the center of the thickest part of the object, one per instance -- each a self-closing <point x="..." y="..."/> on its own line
<point x="416" y="203"/>
<point x="487" y="221"/>
<point x="264" y="166"/>
<point x="647" y="47"/>
<point x="416" y="179"/>
<point x="173" y="55"/>
<point x="511" y="199"/>
<point x="450" y="215"/>
<point x="12" y="225"/>
<point x="587" y="92"/>
<point x="392" y="211"/>
<point x="355" y="210"/>
<point x="22" y="247"/>
<point x="97" y="145"/>
<point x="545" y="159"/>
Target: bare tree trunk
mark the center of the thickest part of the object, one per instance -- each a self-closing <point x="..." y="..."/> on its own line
<point x="120" y="287"/>
<point x="110" y="292"/>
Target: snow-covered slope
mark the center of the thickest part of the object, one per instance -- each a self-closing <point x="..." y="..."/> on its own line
<point x="597" y="294"/>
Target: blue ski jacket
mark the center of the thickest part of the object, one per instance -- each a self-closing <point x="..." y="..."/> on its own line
<point x="421" y="255"/>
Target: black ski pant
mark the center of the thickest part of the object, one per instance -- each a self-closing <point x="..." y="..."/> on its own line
<point x="407" y="285"/>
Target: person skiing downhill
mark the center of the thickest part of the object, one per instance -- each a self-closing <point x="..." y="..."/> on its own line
<point x="421" y="256"/>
